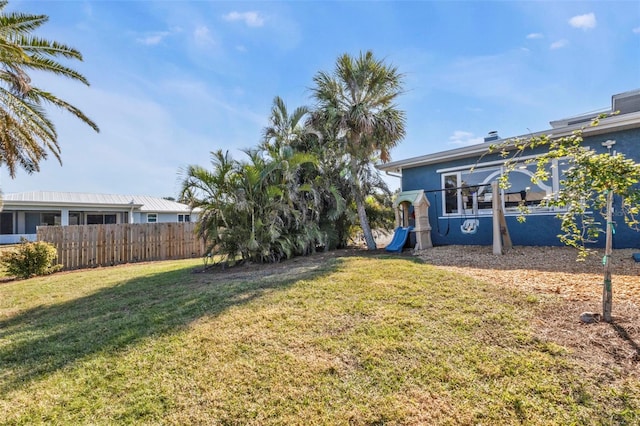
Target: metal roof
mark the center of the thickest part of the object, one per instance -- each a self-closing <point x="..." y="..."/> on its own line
<point x="141" y="203"/>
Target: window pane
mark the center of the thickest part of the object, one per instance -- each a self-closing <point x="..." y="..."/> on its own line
<point x="152" y="217"/>
<point x="522" y="189"/>
<point x="563" y="166"/>
<point x="478" y="182"/>
<point x="451" y="193"/>
<point x="74" y="218"/>
<point x="6" y="223"/>
<point x="50" y="219"/>
<point x="95" y="219"/>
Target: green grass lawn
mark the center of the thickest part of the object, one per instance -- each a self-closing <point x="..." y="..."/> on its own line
<point x="346" y="340"/>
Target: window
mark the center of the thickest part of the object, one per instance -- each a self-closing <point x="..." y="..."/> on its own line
<point x="50" y="219"/>
<point x="101" y="219"/>
<point x="6" y="223"/>
<point x="184" y="218"/>
<point x="74" y="218"/>
<point x="95" y="219"/>
<point x="450" y="184"/>
<point x="468" y="191"/>
<point x="152" y="217"/>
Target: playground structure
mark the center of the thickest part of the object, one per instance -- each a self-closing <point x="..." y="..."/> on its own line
<point x="400" y="237"/>
<point x="422" y="229"/>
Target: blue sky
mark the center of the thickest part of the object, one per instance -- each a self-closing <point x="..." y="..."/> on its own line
<point x="172" y="81"/>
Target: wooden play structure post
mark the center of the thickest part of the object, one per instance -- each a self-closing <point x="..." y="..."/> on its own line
<point x="501" y="238"/>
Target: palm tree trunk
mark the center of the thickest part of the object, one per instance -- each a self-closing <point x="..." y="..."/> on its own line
<point x="360" y="208"/>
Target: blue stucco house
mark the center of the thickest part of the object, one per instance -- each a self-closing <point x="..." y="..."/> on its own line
<point x="436" y="201"/>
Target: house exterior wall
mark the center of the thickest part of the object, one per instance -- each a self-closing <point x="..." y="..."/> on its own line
<point x="162" y="217"/>
<point x="539" y="229"/>
<point x="26" y="220"/>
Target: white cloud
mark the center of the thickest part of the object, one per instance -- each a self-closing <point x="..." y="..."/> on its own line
<point x="251" y="19"/>
<point x="153" y="38"/>
<point x="559" y="44"/>
<point x="533" y="36"/>
<point x="461" y="138"/>
<point x="586" y="21"/>
<point x="636" y="30"/>
<point x="202" y="35"/>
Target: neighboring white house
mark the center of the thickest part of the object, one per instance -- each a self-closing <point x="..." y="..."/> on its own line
<point x="23" y="212"/>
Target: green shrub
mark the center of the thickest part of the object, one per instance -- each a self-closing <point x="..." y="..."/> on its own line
<point x="30" y="259"/>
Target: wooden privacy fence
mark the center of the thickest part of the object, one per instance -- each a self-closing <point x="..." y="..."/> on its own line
<point x="81" y="246"/>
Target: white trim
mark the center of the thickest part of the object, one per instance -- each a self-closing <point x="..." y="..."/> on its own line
<point x="497" y="169"/>
<point x="483" y="165"/>
<point x="507" y="213"/>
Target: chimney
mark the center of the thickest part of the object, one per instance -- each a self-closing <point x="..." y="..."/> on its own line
<point x="626" y="102"/>
<point x="492" y="136"/>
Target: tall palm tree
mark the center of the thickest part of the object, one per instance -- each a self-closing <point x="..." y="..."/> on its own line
<point x="358" y="98"/>
<point x="26" y="133"/>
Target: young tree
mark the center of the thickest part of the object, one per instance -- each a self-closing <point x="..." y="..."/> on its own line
<point x="358" y="100"/>
<point x="27" y="134"/>
<point x="591" y="181"/>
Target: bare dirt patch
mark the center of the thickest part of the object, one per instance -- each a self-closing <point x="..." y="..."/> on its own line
<point x="287" y="269"/>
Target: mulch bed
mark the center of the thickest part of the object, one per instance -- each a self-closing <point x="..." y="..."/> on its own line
<point x="570" y="287"/>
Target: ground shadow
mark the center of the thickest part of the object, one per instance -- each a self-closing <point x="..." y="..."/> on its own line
<point x="624" y="335"/>
<point x="42" y="340"/>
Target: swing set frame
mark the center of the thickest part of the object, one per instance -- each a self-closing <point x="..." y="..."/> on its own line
<point x="501" y="238"/>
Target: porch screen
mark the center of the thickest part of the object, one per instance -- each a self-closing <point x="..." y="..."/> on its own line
<point x="6" y="223"/>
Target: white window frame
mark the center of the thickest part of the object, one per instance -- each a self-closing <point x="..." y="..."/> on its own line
<point x="182" y="218"/>
<point x="499" y="168"/>
<point x="152" y="215"/>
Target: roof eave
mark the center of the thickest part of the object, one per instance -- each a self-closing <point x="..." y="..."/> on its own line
<point x="30" y="203"/>
<point x="618" y="122"/>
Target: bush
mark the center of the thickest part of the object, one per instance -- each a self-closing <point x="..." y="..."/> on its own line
<point x="30" y="259"/>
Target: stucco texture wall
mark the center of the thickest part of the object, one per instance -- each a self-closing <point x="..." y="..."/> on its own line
<point x="539" y="229"/>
